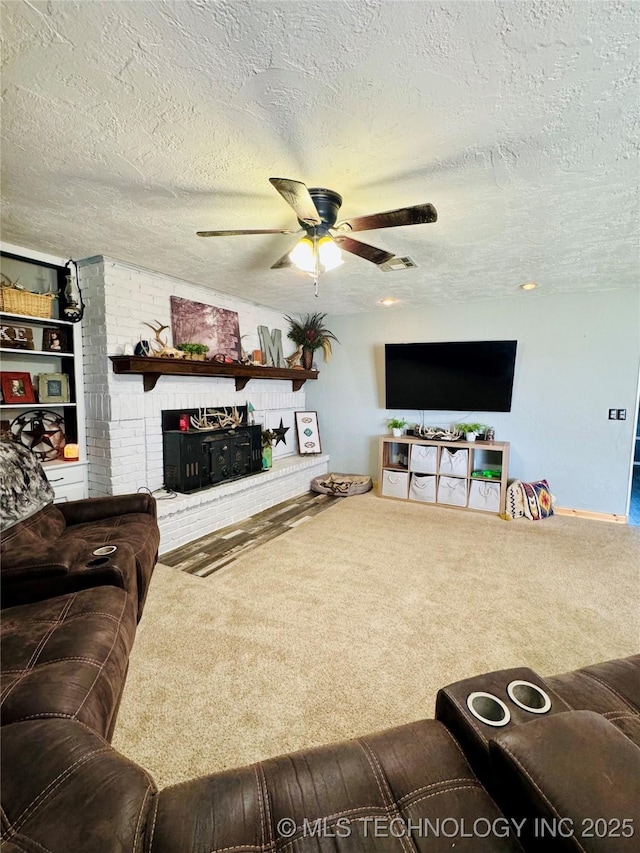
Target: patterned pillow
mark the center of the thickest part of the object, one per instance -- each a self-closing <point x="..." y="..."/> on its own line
<point x="538" y="500"/>
<point x="514" y="504"/>
<point x="24" y="488"/>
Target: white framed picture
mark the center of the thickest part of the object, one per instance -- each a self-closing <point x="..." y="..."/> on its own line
<point x="281" y="422"/>
<point x="308" y="432"/>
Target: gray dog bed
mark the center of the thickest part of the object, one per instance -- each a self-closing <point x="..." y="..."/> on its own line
<point x="341" y="485"/>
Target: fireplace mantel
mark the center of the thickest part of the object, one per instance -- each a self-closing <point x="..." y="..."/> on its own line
<point x="151" y="369"/>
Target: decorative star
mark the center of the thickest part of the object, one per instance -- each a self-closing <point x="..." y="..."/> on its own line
<point x="41" y="432"/>
<point x="280" y="434"/>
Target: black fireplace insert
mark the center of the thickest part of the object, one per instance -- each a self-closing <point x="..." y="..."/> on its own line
<point x="197" y="458"/>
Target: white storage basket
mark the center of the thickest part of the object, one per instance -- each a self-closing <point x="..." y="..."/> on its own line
<point x="422" y="488"/>
<point x="424" y="459"/>
<point x="395" y="484"/>
<point x="452" y="491"/>
<point x="454" y="462"/>
<point x="483" y="495"/>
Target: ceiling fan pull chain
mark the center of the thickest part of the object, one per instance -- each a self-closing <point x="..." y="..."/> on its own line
<point x="316" y="274"/>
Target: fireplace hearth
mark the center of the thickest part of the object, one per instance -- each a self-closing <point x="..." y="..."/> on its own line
<point x="197" y="459"/>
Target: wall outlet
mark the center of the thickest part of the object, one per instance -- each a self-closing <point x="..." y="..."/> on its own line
<point x="622" y="414"/>
<point x="613" y="414"/>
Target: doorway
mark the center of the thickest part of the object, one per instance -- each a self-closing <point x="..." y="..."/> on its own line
<point x="634" y="503"/>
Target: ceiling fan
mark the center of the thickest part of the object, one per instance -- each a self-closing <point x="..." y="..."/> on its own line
<point x="317" y="212"/>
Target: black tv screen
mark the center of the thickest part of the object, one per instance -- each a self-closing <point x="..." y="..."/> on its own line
<point x="462" y="376"/>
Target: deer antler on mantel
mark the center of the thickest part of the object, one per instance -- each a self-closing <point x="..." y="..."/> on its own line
<point x="160" y="347"/>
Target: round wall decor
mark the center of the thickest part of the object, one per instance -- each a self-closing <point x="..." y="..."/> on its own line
<point x="40" y="430"/>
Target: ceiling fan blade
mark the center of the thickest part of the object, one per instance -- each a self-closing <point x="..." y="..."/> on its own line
<point x="243" y="231"/>
<point x="416" y="215"/>
<point x="296" y="194"/>
<point x="364" y="250"/>
<point x="284" y="261"/>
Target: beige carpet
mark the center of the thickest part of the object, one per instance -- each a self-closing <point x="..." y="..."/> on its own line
<point x="350" y="623"/>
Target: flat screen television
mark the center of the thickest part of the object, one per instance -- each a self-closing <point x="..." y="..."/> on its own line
<point x="461" y="376"/>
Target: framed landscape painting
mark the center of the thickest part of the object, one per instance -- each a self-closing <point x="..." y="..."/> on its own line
<point x="197" y="323"/>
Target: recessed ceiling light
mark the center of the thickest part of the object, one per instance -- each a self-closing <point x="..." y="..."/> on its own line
<point x="388" y="301"/>
<point x="529" y="285"/>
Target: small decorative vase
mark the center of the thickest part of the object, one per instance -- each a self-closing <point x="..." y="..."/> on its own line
<point x="267" y="458"/>
<point x="396" y="431"/>
<point x="470" y="436"/>
<point x="307" y="359"/>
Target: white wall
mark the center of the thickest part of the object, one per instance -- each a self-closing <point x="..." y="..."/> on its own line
<point x="578" y="356"/>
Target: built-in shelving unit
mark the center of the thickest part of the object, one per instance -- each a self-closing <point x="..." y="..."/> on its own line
<point x="151" y="369"/>
<point x="69" y="479"/>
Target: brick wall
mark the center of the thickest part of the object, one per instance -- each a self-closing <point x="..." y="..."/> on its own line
<point x="124" y="437"/>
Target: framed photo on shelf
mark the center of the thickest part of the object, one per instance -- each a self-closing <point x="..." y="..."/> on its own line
<point x="16" y="388"/>
<point x="308" y="432"/>
<point x="54" y="340"/>
<point x="53" y="388"/>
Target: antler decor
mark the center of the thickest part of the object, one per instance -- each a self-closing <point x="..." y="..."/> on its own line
<point x="209" y="419"/>
<point x="437" y="433"/>
<point x="160" y="347"/>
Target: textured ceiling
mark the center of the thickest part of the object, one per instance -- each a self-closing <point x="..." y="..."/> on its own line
<point x="127" y="126"/>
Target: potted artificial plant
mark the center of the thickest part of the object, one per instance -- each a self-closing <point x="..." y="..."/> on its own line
<point x="471" y="430"/>
<point x="309" y="334"/>
<point x="397" y="425"/>
<point x="196" y="352"/>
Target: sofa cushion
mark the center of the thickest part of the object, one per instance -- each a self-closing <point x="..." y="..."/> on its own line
<point x="67" y="657"/>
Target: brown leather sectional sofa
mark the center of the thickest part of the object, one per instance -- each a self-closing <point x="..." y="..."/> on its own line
<point x="512" y="761"/>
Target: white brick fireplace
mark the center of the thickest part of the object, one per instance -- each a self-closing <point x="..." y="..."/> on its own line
<point x="124" y="436"/>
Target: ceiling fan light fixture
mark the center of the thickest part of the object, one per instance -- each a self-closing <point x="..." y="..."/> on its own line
<point x="329" y="254"/>
<point x="302" y="255"/>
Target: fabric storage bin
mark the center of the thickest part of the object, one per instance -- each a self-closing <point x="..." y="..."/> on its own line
<point x="454" y="462"/>
<point x="422" y="488"/>
<point x="484" y="496"/>
<point x="452" y="491"/>
<point x="395" y="484"/>
<point x="424" y="459"/>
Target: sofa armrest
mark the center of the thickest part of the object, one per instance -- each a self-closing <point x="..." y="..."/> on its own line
<point x="94" y="509"/>
<point x="44" y="561"/>
<point x="57" y="570"/>
<point x="574" y="778"/>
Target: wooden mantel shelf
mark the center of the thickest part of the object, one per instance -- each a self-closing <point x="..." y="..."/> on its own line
<point x="152" y="369"/>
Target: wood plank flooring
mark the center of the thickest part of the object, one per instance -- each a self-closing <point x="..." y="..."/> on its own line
<point x="219" y="549"/>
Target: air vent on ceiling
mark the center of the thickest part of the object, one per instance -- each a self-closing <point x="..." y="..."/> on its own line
<point x="398" y="264"/>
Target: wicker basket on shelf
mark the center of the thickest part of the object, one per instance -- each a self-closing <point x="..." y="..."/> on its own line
<point x="13" y="300"/>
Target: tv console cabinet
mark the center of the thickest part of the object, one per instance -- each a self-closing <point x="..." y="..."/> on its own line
<point x="445" y="473"/>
